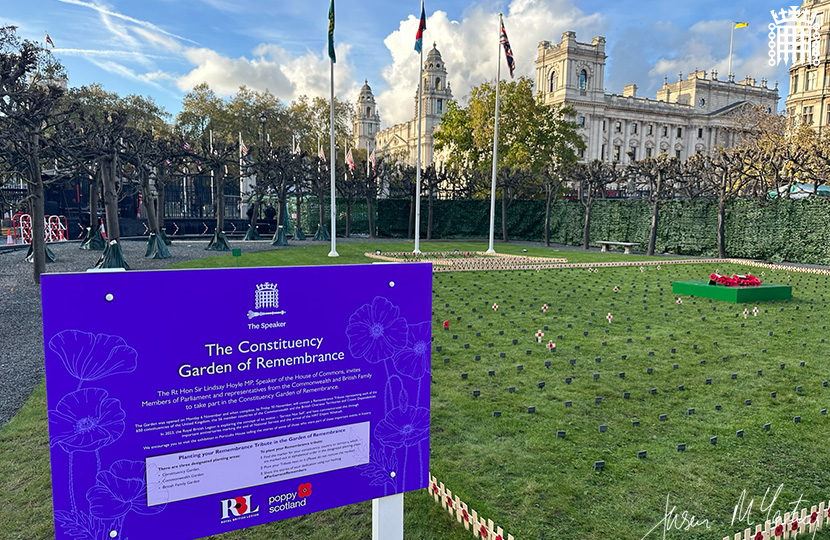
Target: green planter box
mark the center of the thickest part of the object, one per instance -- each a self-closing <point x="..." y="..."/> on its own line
<point x="737" y="295"/>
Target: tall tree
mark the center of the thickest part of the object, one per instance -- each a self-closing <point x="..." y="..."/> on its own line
<point x="592" y="180"/>
<point x="657" y="176"/>
<point x="31" y="86"/>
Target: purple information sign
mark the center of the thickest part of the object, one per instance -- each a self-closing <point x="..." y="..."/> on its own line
<point x="292" y="390"/>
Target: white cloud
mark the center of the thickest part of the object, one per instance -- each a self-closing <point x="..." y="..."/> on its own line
<point x="271" y="68"/>
<point x="469" y="48"/>
<point x="109" y="13"/>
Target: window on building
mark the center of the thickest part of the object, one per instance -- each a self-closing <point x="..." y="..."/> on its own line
<point x="649" y="152"/>
<point x="810" y="83"/>
<point x="633" y="128"/>
<point x="632" y="153"/>
<point x="368" y="111"/>
<point x="828" y="116"/>
<point x="603" y="125"/>
<point x="617" y="151"/>
<point x="618" y="127"/>
<point x="602" y="153"/>
<point x="583" y="80"/>
<point x="650" y="129"/>
<point x="699" y="133"/>
<point x="438" y="83"/>
<point x="552" y="86"/>
<point x="665" y="131"/>
<point x="582" y="154"/>
<point x="807" y="115"/>
<point x="370" y="129"/>
<point x="581" y="121"/>
<point x="439" y="106"/>
<point x="794" y="84"/>
<point x="677" y="154"/>
<point x="679" y="132"/>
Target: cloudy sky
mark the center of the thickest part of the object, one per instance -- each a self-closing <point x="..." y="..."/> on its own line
<point x="162" y="48"/>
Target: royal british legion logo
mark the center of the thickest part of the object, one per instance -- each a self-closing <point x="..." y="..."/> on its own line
<point x="238" y="507"/>
<point x="266" y="301"/>
<point x="794" y="37"/>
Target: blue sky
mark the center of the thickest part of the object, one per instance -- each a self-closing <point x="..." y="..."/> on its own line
<point x="162" y="48"/>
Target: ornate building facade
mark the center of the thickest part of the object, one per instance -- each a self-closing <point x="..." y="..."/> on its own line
<point x="809" y="99"/>
<point x="688" y="116"/>
<point x="401" y="140"/>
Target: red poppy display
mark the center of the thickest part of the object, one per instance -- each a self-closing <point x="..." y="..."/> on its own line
<point x="304" y="490"/>
<point x="779" y="530"/>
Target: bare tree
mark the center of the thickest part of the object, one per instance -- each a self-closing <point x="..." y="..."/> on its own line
<point x="657" y="176"/>
<point x="592" y="180"/>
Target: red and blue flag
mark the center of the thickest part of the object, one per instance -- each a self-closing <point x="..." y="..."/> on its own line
<point x="422" y="26"/>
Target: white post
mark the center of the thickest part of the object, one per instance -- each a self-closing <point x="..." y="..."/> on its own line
<point x="387" y="518"/>
<point x="418" y="159"/>
<point x="333" y="252"/>
<point x="731" y="36"/>
<point x="495" y="146"/>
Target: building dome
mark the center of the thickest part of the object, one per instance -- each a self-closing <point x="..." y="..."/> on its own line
<point x="366" y="92"/>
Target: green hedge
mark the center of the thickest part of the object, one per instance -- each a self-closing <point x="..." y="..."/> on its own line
<point x="781" y="230"/>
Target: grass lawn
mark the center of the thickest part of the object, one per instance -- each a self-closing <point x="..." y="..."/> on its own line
<point x="514" y="468"/>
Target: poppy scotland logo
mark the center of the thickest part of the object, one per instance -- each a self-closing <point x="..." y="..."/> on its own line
<point x="238" y="507"/>
<point x="266" y="301"/>
<point x="304" y="490"/>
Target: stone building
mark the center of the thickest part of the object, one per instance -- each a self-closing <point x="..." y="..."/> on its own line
<point x="809" y="101"/>
<point x="690" y="115"/>
<point x="401" y="140"/>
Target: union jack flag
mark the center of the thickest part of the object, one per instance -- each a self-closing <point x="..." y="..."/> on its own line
<point x="243" y="148"/>
<point x="186" y="146"/>
<point x="508" y="52"/>
<point x="49" y="40"/>
<point x="350" y="160"/>
<point x="323" y="157"/>
<point x="372" y="159"/>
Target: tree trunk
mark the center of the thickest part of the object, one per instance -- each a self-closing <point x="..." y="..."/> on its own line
<point x="429" y="213"/>
<point x="652" y="237"/>
<point x="348" y="216"/>
<point x="721" y="232"/>
<point x="111" y="198"/>
<point x="548" y="206"/>
<point x="298" y="221"/>
<point x="586" y="231"/>
<point x="322" y="200"/>
<point x="94" y="196"/>
<point x="160" y="206"/>
<point x="219" y="174"/>
<point x="409" y="233"/>
<point x="504" y="213"/>
<point x="149" y="203"/>
<point x="370" y="206"/>
<point x="37" y="211"/>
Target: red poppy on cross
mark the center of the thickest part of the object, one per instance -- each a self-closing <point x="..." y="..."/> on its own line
<point x="551" y="345"/>
<point x="609" y="317"/>
<point x="679" y="301"/>
<point x="755" y="311"/>
<point x="746" y="312"/>
<point x="495" y="307"/>
<point x="616" y="289"/>
<point x="544" y="307"/>
<point x="446" y="325"/>
<point x="539" y="335"/>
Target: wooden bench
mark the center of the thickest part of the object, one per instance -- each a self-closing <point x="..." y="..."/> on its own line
<point x="626" y="245"/>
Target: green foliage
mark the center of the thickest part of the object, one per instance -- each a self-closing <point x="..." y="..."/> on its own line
<point x="531" y="134"/>
<point x="780" y="230"/>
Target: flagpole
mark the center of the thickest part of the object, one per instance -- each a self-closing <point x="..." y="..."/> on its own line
<point x="333" y="252"/>
<point x="418" y="158"/>
<point x="495" y="146"/>
<point x="731" y="38"/>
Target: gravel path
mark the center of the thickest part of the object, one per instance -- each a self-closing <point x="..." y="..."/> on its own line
<point x="21" y="328"/>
